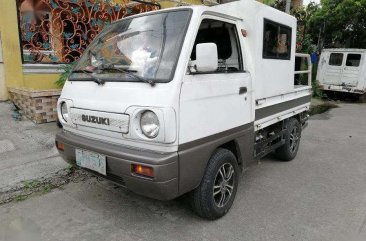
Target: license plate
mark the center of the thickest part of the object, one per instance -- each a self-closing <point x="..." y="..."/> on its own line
<point x="92" y="161"/>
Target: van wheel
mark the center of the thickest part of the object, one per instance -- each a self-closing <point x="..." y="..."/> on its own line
<point x="362" y="98"/>
<point x="288" y="151"/>
<point x="213" y="198"/>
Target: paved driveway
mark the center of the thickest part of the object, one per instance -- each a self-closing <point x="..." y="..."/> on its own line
<point x="321" y="195"/>
<point x="26" y="150"/>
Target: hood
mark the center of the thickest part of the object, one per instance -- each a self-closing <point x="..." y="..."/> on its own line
<point x="116" y="97"/>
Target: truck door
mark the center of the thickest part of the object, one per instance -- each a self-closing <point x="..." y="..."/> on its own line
<point x="352" y="69"/>
<point x="214" y="102"/>
<point x="333" y="72"/>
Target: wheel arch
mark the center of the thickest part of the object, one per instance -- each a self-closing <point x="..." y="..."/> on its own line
<point x="194" y="157"/>
<point x="233" y="146"/>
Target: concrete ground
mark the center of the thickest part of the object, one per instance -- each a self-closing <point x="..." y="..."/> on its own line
<point x="27" y="150"/>
<point x="321" y="195"/>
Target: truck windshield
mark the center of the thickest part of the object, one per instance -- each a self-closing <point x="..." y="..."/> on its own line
<point x="135" y="49"/>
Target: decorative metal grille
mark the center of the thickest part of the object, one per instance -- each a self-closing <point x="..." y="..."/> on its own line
<point x="58" y="31"/>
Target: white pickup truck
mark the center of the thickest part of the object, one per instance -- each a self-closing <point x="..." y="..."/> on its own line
<point x="182" y="100"/>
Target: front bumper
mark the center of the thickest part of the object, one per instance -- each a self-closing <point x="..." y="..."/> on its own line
<point x="164" y="185"/>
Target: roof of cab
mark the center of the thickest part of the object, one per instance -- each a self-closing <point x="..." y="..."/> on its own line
<point x="198" y="8"/>
<point x="343" y="50"/>
<point x="222" y="9"/>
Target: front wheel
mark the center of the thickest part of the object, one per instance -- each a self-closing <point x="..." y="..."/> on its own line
<point x="215" y="195"/>
<point x="288" y="151"/>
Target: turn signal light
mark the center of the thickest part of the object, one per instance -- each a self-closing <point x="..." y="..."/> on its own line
<point x="60" y="146"/>
<point x="142" y="170"/>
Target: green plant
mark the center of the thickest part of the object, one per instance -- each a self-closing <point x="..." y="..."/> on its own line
<point x="340" y="23"/>
<point x="317" y="93"/>
<point x="32" y="184"/>
<point x="20" y="198"/>
<point x="66" y="71"/>
<point x="332" y="23"/>
<point x="47" y="188"/>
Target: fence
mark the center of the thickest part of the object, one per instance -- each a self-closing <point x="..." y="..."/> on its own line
<point x="58" y="31"/>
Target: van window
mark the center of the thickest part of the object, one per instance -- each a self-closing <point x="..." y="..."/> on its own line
<point x="225" y="36"/>
<point x="353" y="60"/>
<point x="336" y="59"/>
<point x="276" y="41"/>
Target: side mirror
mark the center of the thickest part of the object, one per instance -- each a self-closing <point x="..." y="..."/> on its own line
<point x="206" y="57"/>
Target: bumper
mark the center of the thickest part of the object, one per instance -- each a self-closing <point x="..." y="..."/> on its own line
<point x="164" y="185"/>
<point x="340" y="88"/>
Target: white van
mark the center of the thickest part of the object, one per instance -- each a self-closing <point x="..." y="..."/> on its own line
<point x="181" y="100"/>
<point x="342" y="70"/>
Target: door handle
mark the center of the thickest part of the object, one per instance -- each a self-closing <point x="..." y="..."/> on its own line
<point x="243" y="90"/>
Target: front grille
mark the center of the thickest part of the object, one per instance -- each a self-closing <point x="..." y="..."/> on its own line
<point x="100" y="120"/>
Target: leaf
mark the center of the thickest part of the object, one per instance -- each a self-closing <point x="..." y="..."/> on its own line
<point x="66" y="71"/>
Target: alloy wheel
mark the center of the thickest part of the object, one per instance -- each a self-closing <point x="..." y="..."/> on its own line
<point x="223" y="185"/>
<point x="294" y="139"/>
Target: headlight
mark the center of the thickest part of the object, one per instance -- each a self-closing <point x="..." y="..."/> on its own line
<point x="149" y="123"/>
<point x="64" y="111"/>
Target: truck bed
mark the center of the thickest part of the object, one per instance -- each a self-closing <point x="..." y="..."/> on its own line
<point x="276" y="108"/>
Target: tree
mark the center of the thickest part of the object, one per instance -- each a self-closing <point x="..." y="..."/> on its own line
<point x="339" y="23"/>
<point x="333" y="23"/>
<point x="305" y="41"/>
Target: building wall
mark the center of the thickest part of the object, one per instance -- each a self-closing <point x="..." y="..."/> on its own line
<point x="297" y="3"/>
<point x="3" y="92"/>
<point x="10" y="43"/>
<point x="40" y="81"/>
<point x="13" y="68"/>
<point x="170" y="4"/>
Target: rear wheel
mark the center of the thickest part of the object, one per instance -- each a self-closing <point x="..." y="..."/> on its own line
<point x="215" y="195"/>
<point x="288" y="151"/>
<point x="362" y="98"/>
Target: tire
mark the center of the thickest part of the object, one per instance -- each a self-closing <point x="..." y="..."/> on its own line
<point x="58" y="123"/>
<point x="362" y="98"/>
<point x="215" y="195"/>
<point x="288" y="151"/>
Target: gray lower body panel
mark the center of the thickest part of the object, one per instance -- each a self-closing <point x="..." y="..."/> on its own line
<point x="163" y="186"/>
<point x="174" y="173"/>
<point x="194" y="156"/>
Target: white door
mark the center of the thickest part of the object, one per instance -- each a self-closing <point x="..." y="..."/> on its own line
<point x="3" y="95"/>
<point x="334" y="69"/>
<point x="352" y="69"/>
<point x="211" y="103"/>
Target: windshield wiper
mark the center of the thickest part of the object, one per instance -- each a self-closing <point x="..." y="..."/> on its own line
<point x="128" y="72"/>
<point x="90" y="74"/>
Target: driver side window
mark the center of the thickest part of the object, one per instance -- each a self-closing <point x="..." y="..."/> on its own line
<point x="225" y="36"/>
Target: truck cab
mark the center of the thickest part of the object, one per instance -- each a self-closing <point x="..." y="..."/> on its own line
<point x="182" y="100"/>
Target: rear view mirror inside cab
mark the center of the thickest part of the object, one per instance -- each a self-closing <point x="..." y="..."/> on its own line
<point x="206" y="57"/>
